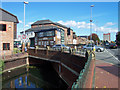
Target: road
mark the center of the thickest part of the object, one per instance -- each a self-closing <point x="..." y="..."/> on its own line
<point x="109" y="55"/>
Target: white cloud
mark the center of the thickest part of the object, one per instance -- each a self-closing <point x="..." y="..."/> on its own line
<point x="44" y="18"/>
<point x="20" y="21"/>
<point x="30" y="23"/>
<point x="84" y="25"/>
<point x="26" y="25"/>
<point x="109" y="24"/>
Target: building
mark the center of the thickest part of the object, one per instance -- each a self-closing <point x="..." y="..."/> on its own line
<point x="83" y="40"/>
<point x="106" y="37"/>
<point x="46" y="36"/>
<point x="62" y="34"/>
<point x="8" y="32"/>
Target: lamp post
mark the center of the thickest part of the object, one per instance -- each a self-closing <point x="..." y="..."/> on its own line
<point x="91" y="23"/>
<point x="24" y="14"/>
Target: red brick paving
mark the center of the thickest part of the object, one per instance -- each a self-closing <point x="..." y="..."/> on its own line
<point x="106" y="75"/>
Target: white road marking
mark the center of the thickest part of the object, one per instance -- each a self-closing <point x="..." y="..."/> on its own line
<point x="112" y="55"/>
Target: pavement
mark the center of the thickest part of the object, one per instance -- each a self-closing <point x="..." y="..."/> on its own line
<point x="107" y="69"/>
<point x="107" y="75"/>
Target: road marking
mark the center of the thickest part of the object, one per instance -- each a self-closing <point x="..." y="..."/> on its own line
<point x="112" y="55"/>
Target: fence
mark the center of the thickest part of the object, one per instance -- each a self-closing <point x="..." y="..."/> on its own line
<point x="80" y="52"/>
<point x="81" y="81"/>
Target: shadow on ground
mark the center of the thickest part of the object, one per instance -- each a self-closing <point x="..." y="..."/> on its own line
<point x="111" y="69"/>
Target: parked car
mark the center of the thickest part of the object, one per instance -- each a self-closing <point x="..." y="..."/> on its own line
<point x="113" y="45"/>
<point x="107" y="44"/>
<point x="60" y="46"/>
<point x="90" y="47"/>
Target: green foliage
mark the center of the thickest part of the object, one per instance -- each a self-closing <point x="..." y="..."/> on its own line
<point x="94" y="37"/>
<point x="16" y="50"/>
<point x="118" y="38"/>
<point x="1" y="66"/>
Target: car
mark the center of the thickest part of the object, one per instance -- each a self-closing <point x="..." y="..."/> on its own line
<point x="60" y="46"/>
<point x="113" y="45"/>
<point x="107" y="44"/>
<point x="91" y="47"/>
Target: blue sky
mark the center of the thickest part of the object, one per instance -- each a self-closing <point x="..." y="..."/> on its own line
<point x="72" y="14"/>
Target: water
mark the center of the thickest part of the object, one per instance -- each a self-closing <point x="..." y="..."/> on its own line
<point x="43" y="76"/>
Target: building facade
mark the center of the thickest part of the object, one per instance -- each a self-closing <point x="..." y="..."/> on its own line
<point x="62" y="34"/>
<point x="8" y="32"/>
<point x="106" y="37"/>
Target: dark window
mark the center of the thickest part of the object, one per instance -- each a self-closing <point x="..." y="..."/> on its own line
<point x="68" y="31"/>
<point x="2" y="27"/>
<point x="6" y="46"/>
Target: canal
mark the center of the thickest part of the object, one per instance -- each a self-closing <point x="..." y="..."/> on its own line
<point x="34" y="76"/>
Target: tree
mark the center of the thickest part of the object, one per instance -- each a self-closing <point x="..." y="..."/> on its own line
<point x="118" y="38"/>
<point x="94" y="37"/>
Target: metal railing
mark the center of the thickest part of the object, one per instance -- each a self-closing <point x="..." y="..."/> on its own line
<point x="80" y="52"/>
<point x="81" y="81"/>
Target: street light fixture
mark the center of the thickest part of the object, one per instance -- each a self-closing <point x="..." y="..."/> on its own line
<point x="91" y="23"/>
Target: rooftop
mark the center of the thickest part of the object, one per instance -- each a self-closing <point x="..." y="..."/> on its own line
<point x="37" y="29"/>
<point x="7" y="16"/>
<point x="42" y="22"/>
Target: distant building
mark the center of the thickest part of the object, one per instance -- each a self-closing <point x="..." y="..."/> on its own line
<point x="75" y="39"/>
<point x="8" y="32"/>
<point x="106" y="37"/>
<point x="83" y="40"/>
<point x="60" y="33"/>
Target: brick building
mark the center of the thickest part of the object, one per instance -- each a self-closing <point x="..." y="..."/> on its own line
<point x="8" y="32"/>
<point x="82" y="40"/>
<point x="62" y="34"/>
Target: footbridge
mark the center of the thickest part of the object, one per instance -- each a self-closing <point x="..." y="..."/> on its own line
<point x="73" y="67"/>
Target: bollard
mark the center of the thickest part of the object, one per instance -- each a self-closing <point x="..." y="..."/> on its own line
<point x="48" y="48"/>
<point x="62" y="49"/>
<point x="93" y="55"/>
<point x="71" y="51"/>
<point x="86" y="54"/>
<point x="94" y="48"/>
<point x="36" y="47"/>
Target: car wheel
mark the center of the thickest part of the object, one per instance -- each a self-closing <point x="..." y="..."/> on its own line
<point x="99" y="50"/>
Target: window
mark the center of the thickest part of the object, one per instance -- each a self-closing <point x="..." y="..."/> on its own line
<point x="2" y="27"/>
<point x="68" y="31"/>
<point x="40" y="34"/>
<point x="39" y="43"/>
<point x="47" y="42"/>
<point x="6" y="46"/>
<point x="51" y="42"/>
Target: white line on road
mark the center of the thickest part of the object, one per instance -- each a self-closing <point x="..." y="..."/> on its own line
<point x="112" y="55"/>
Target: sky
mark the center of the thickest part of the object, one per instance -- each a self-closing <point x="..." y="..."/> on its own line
<point x="75" y="15"/>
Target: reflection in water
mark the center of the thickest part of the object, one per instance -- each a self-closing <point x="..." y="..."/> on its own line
<point x="33" y="77"/>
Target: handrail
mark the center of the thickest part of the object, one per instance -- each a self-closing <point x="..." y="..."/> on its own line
<point x="80" y="82"/>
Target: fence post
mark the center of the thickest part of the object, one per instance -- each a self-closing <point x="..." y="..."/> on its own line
<point x="36" y="47"/>
<point x="48" y="48"/>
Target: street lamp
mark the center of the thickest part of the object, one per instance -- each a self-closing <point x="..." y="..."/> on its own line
<point x="91" y="23"/>
<point x="24" y="14"/>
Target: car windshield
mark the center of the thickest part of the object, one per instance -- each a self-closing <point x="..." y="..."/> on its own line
<point x="63" y="45"/>
<point x="58" y="45"/>
<point x="112" y="44"/>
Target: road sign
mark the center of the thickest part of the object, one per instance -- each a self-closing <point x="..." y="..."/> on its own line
<point x="23" y="36"/>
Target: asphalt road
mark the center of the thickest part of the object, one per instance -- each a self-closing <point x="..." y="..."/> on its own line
<point x="110" y="56"/>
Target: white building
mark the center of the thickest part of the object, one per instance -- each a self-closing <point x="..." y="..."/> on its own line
<point x="106" y="37"/>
